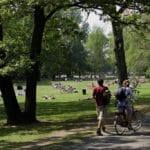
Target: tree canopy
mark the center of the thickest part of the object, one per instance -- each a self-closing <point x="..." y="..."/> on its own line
<point x="23" y="26"/>
<point x="97" y="47"/>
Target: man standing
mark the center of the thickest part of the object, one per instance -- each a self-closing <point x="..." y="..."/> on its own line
<point x="97" y="94"/>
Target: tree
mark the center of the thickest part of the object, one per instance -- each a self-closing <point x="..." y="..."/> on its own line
<point x="64" y="39"/>
<point x="121" y="13"/>
<point x="40" y="19"/>
<point x="42" y="12"/>
<point x="127" y="15"/>
<point x="137" y="50"/>
<point x="12" y="107"/>
<point x="14" y="58"/>
<point x="97" y="48"/>
<point x="76" y="59"/>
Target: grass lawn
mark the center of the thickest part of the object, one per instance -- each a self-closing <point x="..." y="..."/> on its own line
<point x="63" y="113"/>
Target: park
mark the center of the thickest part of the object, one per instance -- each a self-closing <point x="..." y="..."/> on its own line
<point x="50" y="59"/>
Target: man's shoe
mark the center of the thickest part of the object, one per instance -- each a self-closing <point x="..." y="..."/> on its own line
<point x="103" y="129"/>
<point x="130" y="127"/>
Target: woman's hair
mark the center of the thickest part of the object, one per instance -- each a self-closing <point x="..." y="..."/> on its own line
<point x="126" y="82"/>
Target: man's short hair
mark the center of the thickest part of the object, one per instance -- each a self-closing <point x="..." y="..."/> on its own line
<point x="100" y="81"/>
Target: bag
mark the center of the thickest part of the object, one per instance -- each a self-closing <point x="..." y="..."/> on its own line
<point x="121" y="95"/>
<point x="106" y="95"/>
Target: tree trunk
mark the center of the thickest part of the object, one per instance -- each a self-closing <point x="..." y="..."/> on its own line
<point x="119" y="52"/>
<point x="12" y="108"/>
<point x="32" y="76"/>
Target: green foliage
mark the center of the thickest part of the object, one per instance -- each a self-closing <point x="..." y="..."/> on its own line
<point x="136" y="43"/>
<point x="17" y="9"/>
<point x="97" y="47"/>
<point x="111" y="53"/>
<point x="15" y="46"/>
<point x="137" y="51"/>
<point x="63" y="40"/>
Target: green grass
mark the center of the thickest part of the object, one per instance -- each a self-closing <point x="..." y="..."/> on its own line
<point x="64" y="113"/>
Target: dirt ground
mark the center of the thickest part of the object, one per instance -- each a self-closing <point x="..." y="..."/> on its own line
<point x="85" y="139"/>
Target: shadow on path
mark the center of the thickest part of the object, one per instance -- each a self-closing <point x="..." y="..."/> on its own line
<point x="85" y="139"/>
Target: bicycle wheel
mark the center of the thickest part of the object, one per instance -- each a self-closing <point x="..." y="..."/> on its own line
<point x="137" y="119"/>
<point x="118" y="127"/>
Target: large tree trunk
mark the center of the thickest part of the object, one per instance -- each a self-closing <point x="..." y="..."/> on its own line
<point x="32" y="76"/>
<point x="13" y="112"/>
<point x="11" y="105"/>
<point x="119" y="51"/>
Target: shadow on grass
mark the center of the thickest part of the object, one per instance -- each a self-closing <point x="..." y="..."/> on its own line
<point x="55" y="116"/>
<point x="67" y="115"/>
<point x="42" y="128"/>
<point x="60" y="108"/>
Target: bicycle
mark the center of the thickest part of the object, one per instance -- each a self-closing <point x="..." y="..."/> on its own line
<point x="121" y="123"/>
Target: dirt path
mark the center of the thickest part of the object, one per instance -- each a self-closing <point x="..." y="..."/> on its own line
<point x="85" y="139"/>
